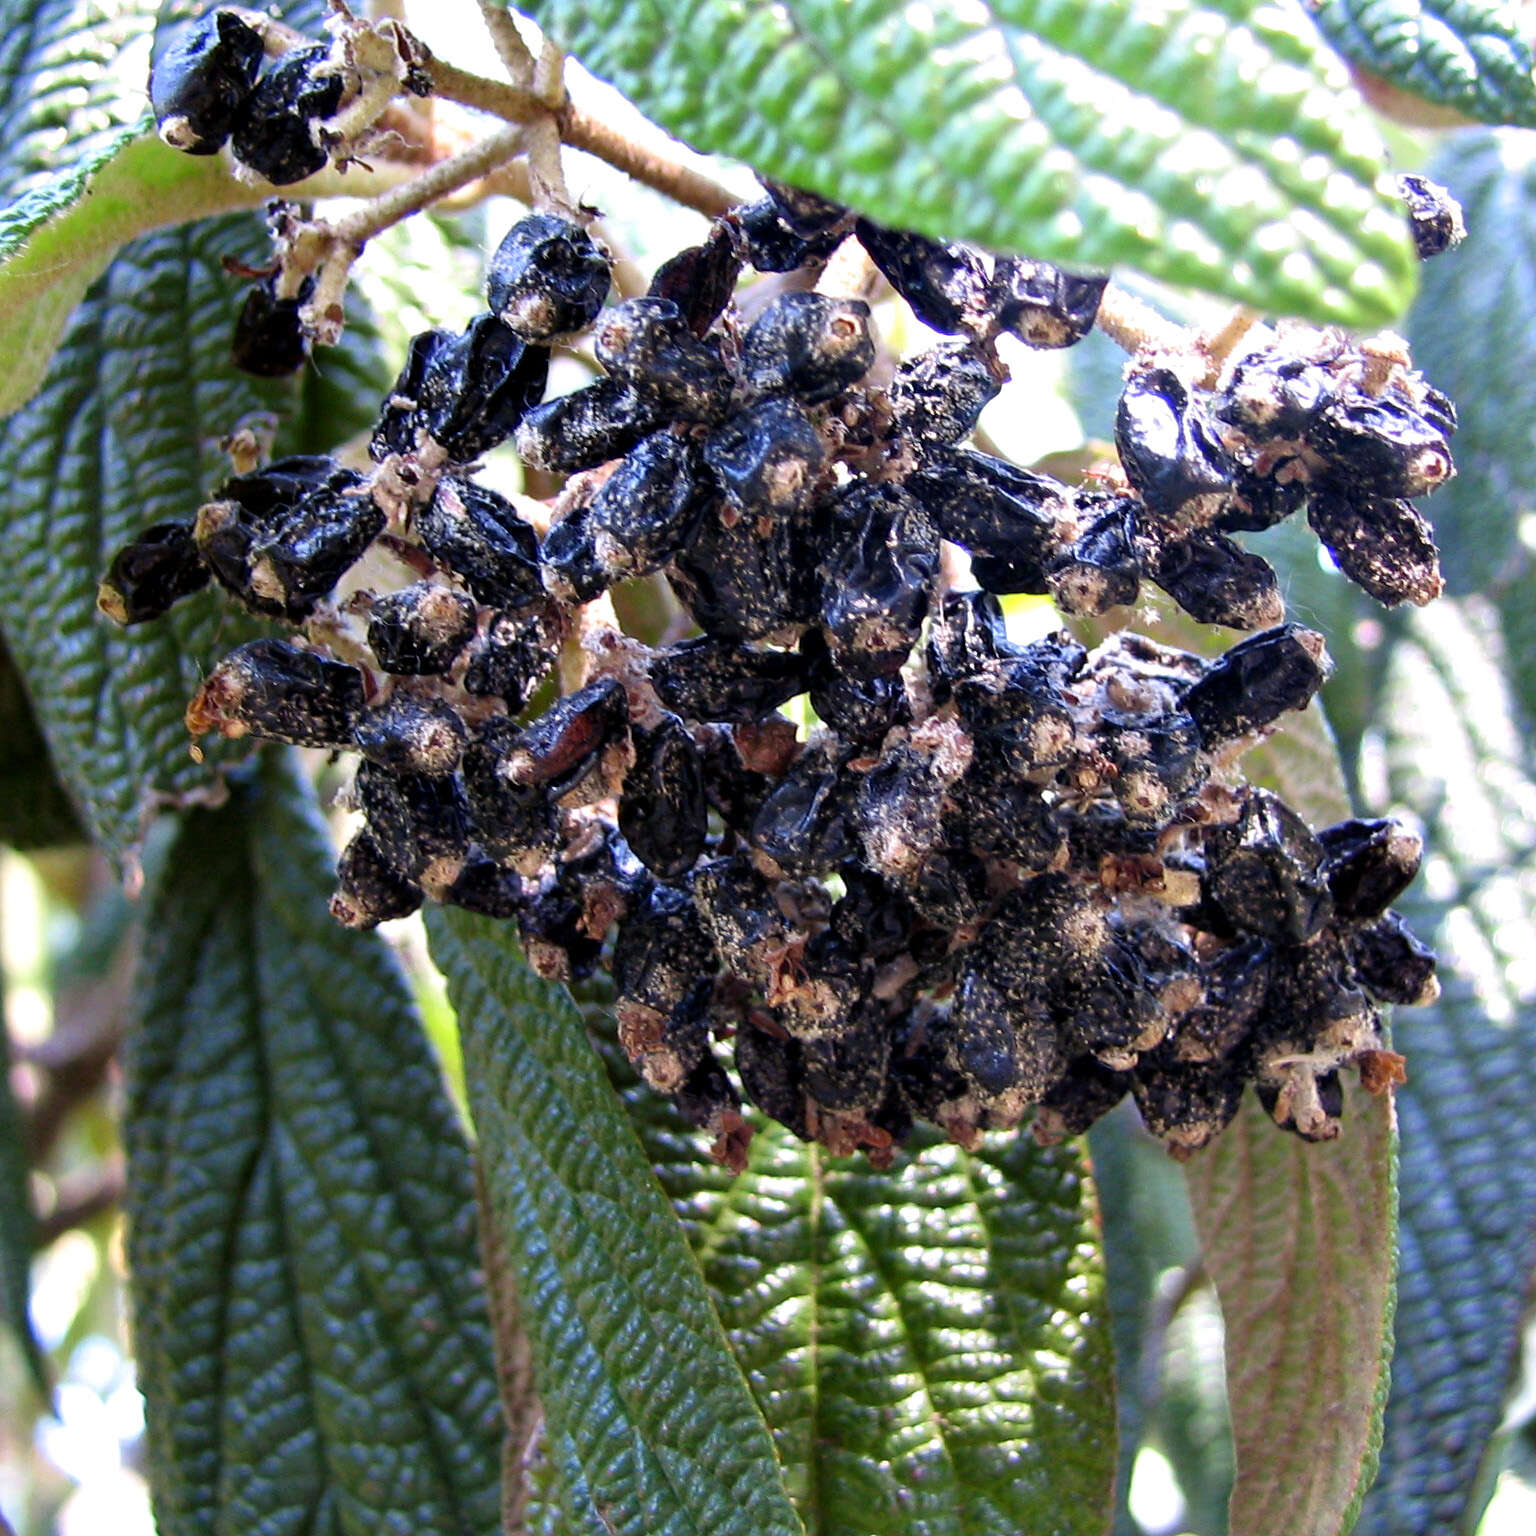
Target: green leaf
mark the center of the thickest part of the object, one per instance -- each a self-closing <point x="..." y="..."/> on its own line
<point x="1211" y="144"/>
<point x="1301" y="1242"/>
<point x="123" y="434"/>
<point x="1468" y="1122"/>
<point x="641" y="1395"/>
<point x="34" y="809"/>
<point x="1472" y="335"/>
<point x="17" y="1221"/>
<point x="1473" y="56"/>
<point x="57" y="239"/>
<point x="930" y="1343"/>
<point x="313" y="1341"/>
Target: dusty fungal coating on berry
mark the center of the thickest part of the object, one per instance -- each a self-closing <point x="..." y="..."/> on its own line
<point x="202" y="81"/>
<point x="852" y="853"/>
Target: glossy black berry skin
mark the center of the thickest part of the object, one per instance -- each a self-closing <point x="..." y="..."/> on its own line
<point x="701" y="279"/>
<point x="203" y="79"/>
<point x="946" y="285"/>
<point x="547" y="278"/>
<point x="512" y="655"/>
<point x="709" y="679"/>
<point x="410" y="735"/>
<point x="396" y="431"/>
<point x="587" y="427"/>
<point x="1255" y="682"/>
<point x="770" y="244"/>
<point x="767" y="458"/>
<point x="418" y="631"/>
<point x="938" y="395"/>
<point x="477" y="534"/>
<point x="273" y="690"/>
<point x="369" y="890"/>
<point x="159" y="568"/>
<point x="809" y="345"/>
<point x="477" y="387"/>
<point x="1383" y="545"/>
<point x="664" y="814"/>
<point x="1043" y="305"/>
<point x="270" y="340"/>
<point x="1434" y="215"/>
<point x="645" y="509"/>
<point x="1170" y="451"/>
<point x="277" y="136"/>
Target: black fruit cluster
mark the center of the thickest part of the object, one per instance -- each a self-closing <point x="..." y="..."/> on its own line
<point x="996" y="877"/>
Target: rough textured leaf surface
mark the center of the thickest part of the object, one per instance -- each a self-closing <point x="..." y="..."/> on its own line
<point x="646" y="1408"/>
<point x="123" y="434"/>
<point x="1301" y="1242"/>
<point x="1213" y="144"/>
<point x="1471" y="55"/>
<point x="930" y="1343"/>
<point x="312" y="1336"/>
<point x="1468" y="1124"/>
<point x="1472" y="337"/>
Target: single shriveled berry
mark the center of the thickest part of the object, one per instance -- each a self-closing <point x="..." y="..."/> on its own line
<point x="477" y="387"/>
<point x="1186" y="1104"/>
<point x="1085" y="1092"/>
<point x="767" y="458"/>
<point x="709" y="679"/>
<point x="847" y="1072"/>
<point x="1114" y="1013"/>
<point x="202" y="80"/>
<point x="1100" y="569"/>
<point x="1368" y="865"/>
<point x="513" y="653"/>
<point x="772" y="1073"/>
<point x="1156" y="757"/>
<point x="859" y="708"/>
<point x="1391" y="964"/>
<point x="946" y="285"/>
<point x="574" y="572"/>
<point x="485" y="886"/>
<point x="369" y="890"/>
<point x="647" y="343"/>
<point x="274" y="690"/>
<point x="1214" y="580"/>
<point x="411" y="735"/>
<point x="587" y="427"/>
<point x="663" y="812"/>
<point x="938" y="395"/>
<point x="420" y="822"/>
<point x="897" y="811"/>
<point x="1276" y="393"/>
<point x="420" y="630"/>
<point x="1255" y="682"/>
<point x="735" y="792"/>
<point x="479" y="537"/>
<point x="809" y="345"/>
<point x="1434" y="215"/>
<point x="1233" y="984"/>
<point x="1264" y="872"/>
<point x="643" y="512"/>
<point x="1041" y="304"/>
<point x="804" y="825"/>
<point x="770" y="244"/>
<point x="158" y="568"/>
<point x="585" y="732"/>
<point x="877" y="577"/>
<point x="514" y="822"/>
<point x="398" y="419"/>
<point x="661" y="961"/>
<point x="1379" y="445"/>
<point x="278" y="135"/>
<point x="270" y="340"/>
<point x="547" y="278"/>
<point x="1169" y="448"/>
<point x="1383" y="545"/>
<point x="298" y="561"/>
<point x="701" y="279"/>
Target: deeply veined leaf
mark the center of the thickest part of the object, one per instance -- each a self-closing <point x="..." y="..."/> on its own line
<point x="1211" y="144"/>
<point x="57" y="239"/>
<point x="1472" y="336"/>
<point x="929" y="1342"/>
<point x="643" y="1399"/>
<point x="1301" y="1242"/>
<point x="312" y="1337"/>
<point x="1470" y="55"/>
<point x="1455" y="760"/>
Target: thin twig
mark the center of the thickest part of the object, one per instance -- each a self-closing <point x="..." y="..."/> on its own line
<point x="508" y="42"/>
<point x="1136" y="326"/>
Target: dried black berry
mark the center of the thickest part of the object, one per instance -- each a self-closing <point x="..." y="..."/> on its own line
<point x="938" y="395"/>
<point x="410" y="735"/>
<point x="1099" y="569"/>
<point x="1382" y="545"/>
<point x="297" y="561"/>
<point x="767" y="458"/>
<point x="369" y="890"/>
<point x="1264" y="872"/>
<point x="512" y="655"/>
<point x="419" y="821"/>
<point x="277" y="136"/>
<point x="514" y="822"/>
<point x="770" y="244"/>
<point x="547" y="278"/>
<point x="1392" y="965"/>
<point x="644" y="510"/>
<point x="700" y="279"/>
<point x="587" y="427"/>
<point x="1382" y="446"/>
<point x="1433" y="215"/>
<point x="946" y="285"/>
<point x="1170" y="451"/>
<point x="807" y="213"/>
<point x="663" y="814"/>
<point x="419" y="631"/>
<point x="1041" y="304"/>
<point x="1257" y="681"/>
<point x="1368" y="865"/>
<point x="398" y="421"/>
<point x="160" y="567"/>
<point x="271" y="689"/>
<point x="201" y="82"/>
<point x="809" y="345"/>
<point x="478" y="535"/>
<point x="477" y="387"/>
<point x="1216" y="581"/>
<point x="578" y="735"/>
<point x="270" y="340"/>
<point x="709" y="679"/>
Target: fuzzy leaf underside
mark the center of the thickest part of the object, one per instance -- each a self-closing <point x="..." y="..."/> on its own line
<point x="649" y="1419"/>
<point x="1301" y="1241"/>
<point x="1211" y="143"/>
<point x="1469" y="55"/>
<point x="929" y="1343"/>
<point x="312" y="1335"/>
<point x="123" y="434"/>
<point x="1455" y="761"/>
